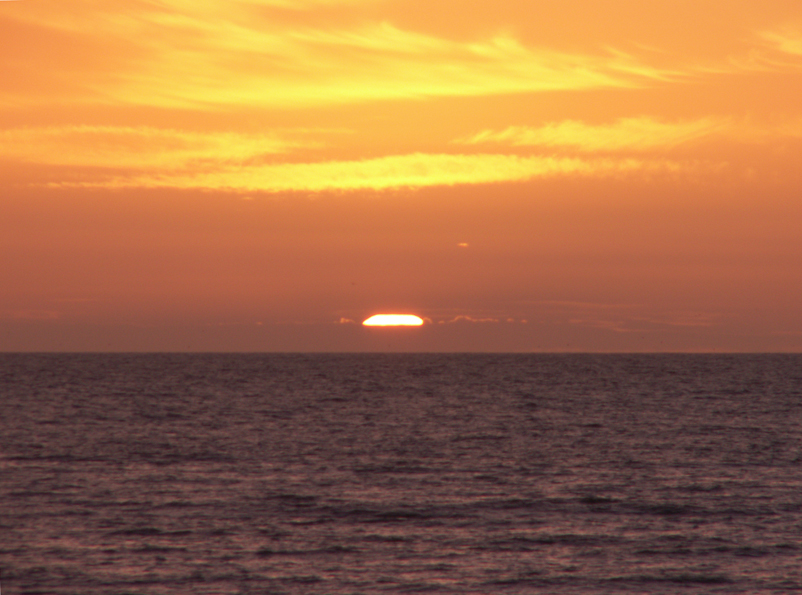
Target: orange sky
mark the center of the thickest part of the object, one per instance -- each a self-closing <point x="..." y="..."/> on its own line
<point x="263" y="175"/>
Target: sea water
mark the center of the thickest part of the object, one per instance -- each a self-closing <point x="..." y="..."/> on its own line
<point x="333" y="474"/>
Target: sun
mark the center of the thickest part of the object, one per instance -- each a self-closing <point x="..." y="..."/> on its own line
<point x="393" y="320"/>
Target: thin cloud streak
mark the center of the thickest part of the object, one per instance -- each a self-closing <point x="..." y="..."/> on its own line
<point x="140" y="147"/>
<point x="466" y="318"/>
<point x="401" y="171"/>
<point x="787" y="40"/>
<point x="633" y="134"/>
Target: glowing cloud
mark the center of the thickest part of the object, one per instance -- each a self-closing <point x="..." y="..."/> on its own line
<point x="788" y="40"/>
<point x="397" y="171"/>
<point x="637" y="134"/>
<point x="393" y="320"/>
<point x="209" y="54"/>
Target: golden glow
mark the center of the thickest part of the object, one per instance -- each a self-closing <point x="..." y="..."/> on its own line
<point x="224" y="53"/>
<point x="168" y="158"/>
<point x="621" y="175"/>
<point x="397" y="171"/>
<point x="393" y="320"/>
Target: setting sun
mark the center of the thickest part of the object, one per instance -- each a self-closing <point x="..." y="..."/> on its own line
<point x="393" y="320"/>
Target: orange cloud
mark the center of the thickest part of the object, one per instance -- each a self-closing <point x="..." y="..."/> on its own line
<point x="213" y="53"/>
<point x="634" y="134"/>
<point x="397" y="171"/>
<point x="645" y="135"/>
<point x="139" y="147"/>
<point x="158" y="157"/>
<point x="787" y="40"/>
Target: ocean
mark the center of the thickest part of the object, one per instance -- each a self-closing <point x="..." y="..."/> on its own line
<point x="393" y="473"/>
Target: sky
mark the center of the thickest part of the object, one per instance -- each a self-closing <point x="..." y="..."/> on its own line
<point x="263" y="175"/>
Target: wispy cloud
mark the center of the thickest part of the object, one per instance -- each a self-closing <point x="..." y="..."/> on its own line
<point x="777" y="49"/>
<point x="637" y="136"/>
<point x="787" y="39"/>
<point x="630" y="134"/>
<point x="466" y="318"/>
<point x="142" y="147"/>
<point x="214" y="53"/>
<point x="397" y="171"/>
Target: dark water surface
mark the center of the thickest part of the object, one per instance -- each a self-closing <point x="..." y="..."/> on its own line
<point x="332" y="474"/>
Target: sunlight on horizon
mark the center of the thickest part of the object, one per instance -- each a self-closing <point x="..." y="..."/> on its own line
<point x="393" y="320"/>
